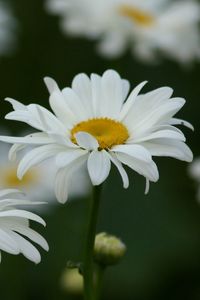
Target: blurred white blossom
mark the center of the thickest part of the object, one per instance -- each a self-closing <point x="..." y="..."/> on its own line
<point x="15" y="228"/>
<point x="38" y="182"/>
<point x="8" y="26"/>
<point x="148" y="27"/>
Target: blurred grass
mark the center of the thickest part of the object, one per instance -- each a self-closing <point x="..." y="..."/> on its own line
<point x="161" y="230"/>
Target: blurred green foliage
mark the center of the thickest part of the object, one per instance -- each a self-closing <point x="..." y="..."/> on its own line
<point x="161" y="230"/>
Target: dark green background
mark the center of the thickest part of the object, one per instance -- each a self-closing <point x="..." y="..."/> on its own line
<point x="161" y="230"/>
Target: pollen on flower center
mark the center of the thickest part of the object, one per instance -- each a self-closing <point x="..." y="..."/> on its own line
<point x="108" y="132"/>
<point x="136" y="15"/>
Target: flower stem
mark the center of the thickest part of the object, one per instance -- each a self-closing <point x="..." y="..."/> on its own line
<point x="99" y="280"/>
<point x="89" y="293"/>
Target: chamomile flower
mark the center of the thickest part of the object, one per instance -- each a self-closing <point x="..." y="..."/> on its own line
<point x="35" y="182"/>
<point x="8" y="26"/>
<point x="145" y="26"/>
<point x="15" y="227"/>
<point x="95" y="123"/>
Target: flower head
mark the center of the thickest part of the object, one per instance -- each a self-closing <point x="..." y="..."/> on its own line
<point x="95" y="124"/>
<point x="14" y="227"/>
<point x="72" y="281"/>
<point x="108" y="249"/>
<point x="147" y="26"/>
<point x="35" y="182"/>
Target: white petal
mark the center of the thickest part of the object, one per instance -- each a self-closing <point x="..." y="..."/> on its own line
<point x="96" y="94"/>
<point x="22" y="214"/>
<point x="112" y="94"/>
<point x="165" y="134"/>
<point x="142" y="123"/>
<point x="7" y="243"/>
<point x="26" y="248"/>
<point x="98" y="166"/>
<point x="12" y="154"/>
<point x="6" y="192"/>
<point x="34" y="115"/>
<point x="175" y="121"/>
<point x="47" y="120"/>
<point x="14" y="149"/>
<point x="24" y="116"/>
<point x="131" y="99"/>
<point x="65" y="158"/>
<point x="121" y="170"/>
<point x="16" y="104"/>
<point x="13" y="202"/>
<point x="75" y="104"/>
<point x="51" y="84"/>
<point x="170" y="148"/>
<point x="155" y="97"/>
<point x="147" y="186"/>
<point x="62" y="140"/>
<point x="61" y="109"/>
<point x="32" y="140"/>
<point x="135" y="151"/>
<point x="86" y="141"/>
<point x="82" y="86"/>
<point x="125" y="88"/>
<point x="62" y="180"/>
<point x="36" y="156"/>
<point x="32" y="235"/>
<point x="148" y="170"/>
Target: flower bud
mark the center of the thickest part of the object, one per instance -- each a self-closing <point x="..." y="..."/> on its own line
<point x="108" y="249"/>
<point x="72" y="281"/>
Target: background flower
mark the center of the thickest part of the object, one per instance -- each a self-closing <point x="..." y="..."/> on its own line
<point x="147" y="27"/>
<point x="39" y="181"/>
<point x="8" y="26"/>
<point x="14" y="226"/>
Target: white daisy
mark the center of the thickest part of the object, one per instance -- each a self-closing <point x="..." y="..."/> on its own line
<point x="143" y="25"/>
<point x="96" y="124"/>
<point x="14" y="227"/>
<point x="194" y="172"/>
<point x="35" y="182"/>
<point x="8" y="26"/>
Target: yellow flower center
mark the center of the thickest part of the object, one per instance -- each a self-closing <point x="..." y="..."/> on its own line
<point x="107" y="132"/>
<point x="136" y="15"/>
<point x="11" y="180"/>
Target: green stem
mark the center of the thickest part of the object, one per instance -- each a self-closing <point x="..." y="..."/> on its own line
<point x="88" y="259"/>
<point x="99" y="280"/>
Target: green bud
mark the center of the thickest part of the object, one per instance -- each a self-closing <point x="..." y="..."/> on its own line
<point x="108" y="249"/>
<point x="72" y="281"/>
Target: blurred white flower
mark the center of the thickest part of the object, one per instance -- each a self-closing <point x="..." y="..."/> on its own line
<point x="8" y="26"/>
<point x="194" y="172"/>
<point x="94" y="125"/>
<point x="14" y="227"/>
<point x="146" y="26"/>
<point x="38" y="182"/>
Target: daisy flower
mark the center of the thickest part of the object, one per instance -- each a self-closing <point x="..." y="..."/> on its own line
<point x="194" y="172"/>
<point x="14" y="227"/>
<point x="145" y="26"/>
<point x="95" y="123"/>
<point x="35" y="183"/>
<point x="8" y="26"/>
